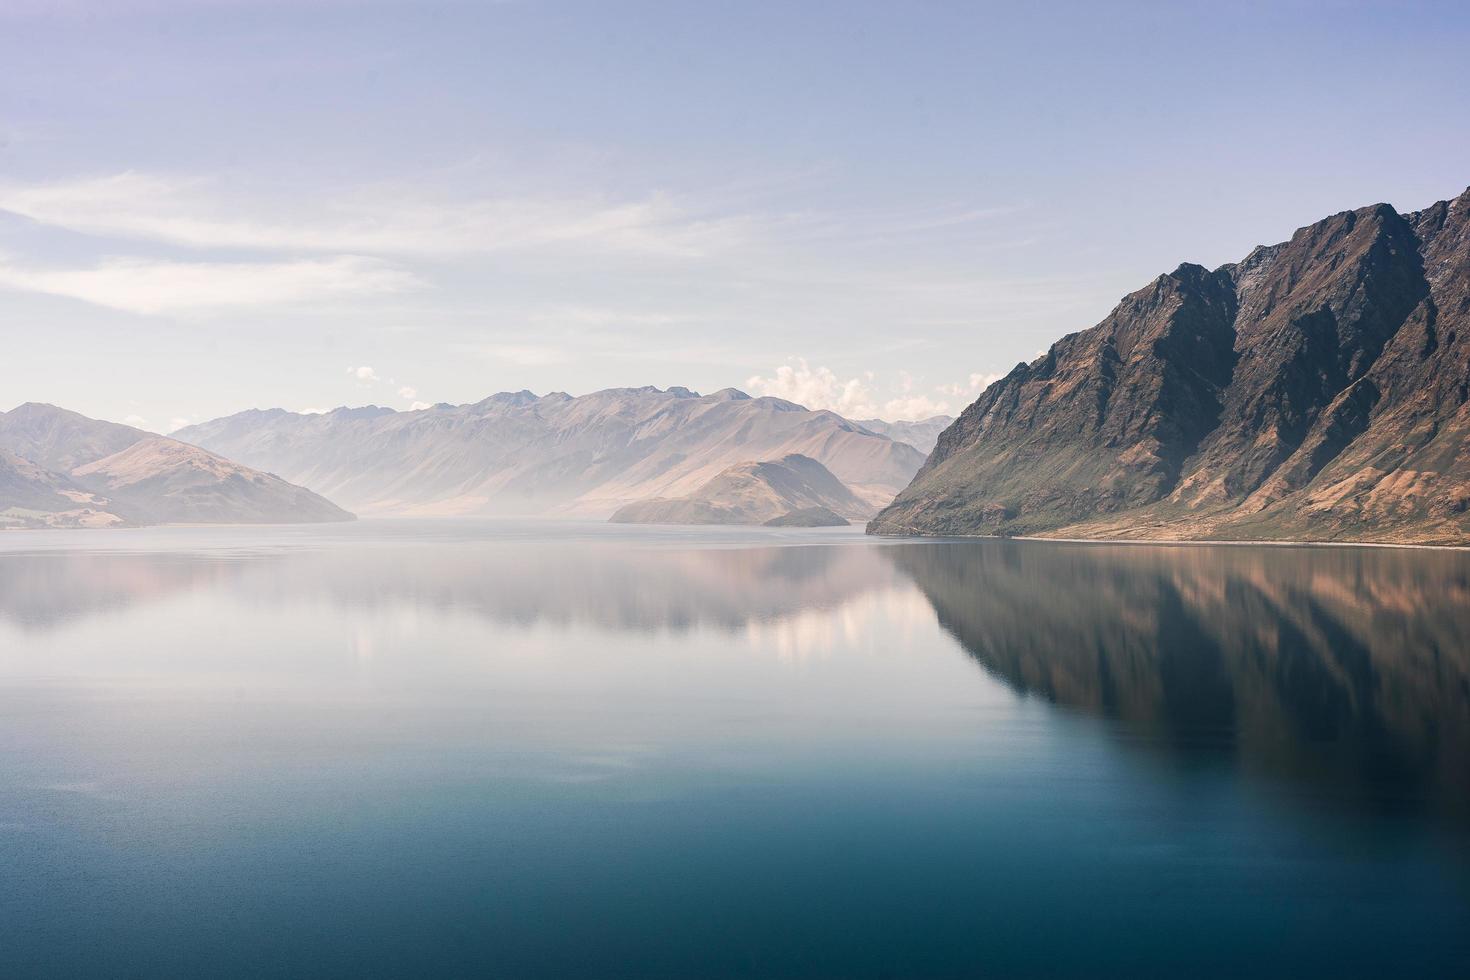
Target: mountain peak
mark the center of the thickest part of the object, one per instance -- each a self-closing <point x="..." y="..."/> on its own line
<point x="362" y="412"/>
<point x="1289" y="394"/>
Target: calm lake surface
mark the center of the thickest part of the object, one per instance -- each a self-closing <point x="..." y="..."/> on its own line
<point x="541" y="750"/>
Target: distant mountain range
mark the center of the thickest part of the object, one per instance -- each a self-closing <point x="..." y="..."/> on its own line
<point x="61" y="469"/>
<point x="519" y="453"/>
<point x="1318" y="389"/>
<point x="795" y="490"/>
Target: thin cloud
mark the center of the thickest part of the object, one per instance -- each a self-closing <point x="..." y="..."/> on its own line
<point x="150" y="286"/>
<point x="194" y="212"/>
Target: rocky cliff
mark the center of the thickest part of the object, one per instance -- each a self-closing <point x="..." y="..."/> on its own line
<point x="1316" y="390"/>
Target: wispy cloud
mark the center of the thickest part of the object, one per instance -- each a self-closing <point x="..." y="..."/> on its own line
<point x="162" y="286"/>
<point x="197" y="212"/>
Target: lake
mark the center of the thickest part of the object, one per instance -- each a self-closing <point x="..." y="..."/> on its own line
<point x="574" y="750"/>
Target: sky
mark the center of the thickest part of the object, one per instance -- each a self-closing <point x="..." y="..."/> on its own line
<point x="874" y="207"/>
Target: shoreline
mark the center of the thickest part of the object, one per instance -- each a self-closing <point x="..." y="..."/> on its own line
<point x="1179" y="542"/>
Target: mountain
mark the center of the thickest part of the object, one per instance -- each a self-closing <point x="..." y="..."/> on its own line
<point x="752" y="493"/>
<point x="1318" y="389"/>
<point x="59" y="468"/>
<point x="809" y="517"/>
<point x="922" y="435"/>
<point x="33" y="497"/>
<point x="519" y="453"/>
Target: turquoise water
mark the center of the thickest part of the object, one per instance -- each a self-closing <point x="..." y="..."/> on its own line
<point x="539" y="750"/>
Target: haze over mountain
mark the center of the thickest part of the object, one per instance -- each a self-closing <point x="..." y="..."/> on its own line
<point x="756" y="493"/>
<point x="62" y="469"/>
<point x="519" y="453"/>
<point x="1319" y="389"/>
<point x="922" y="435"/>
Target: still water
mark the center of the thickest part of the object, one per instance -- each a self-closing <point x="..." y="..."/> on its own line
<point x="539" y="750"/>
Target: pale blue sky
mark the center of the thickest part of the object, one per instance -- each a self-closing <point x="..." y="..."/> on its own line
<point x="212" y="205"/>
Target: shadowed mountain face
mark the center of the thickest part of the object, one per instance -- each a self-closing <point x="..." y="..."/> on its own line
<point x="555" y="454"/>
<point x="755" y="493"/>
<point x="1347" y="666"/>
<point x="61" y="469"/>
<point x="1319" y="390"/>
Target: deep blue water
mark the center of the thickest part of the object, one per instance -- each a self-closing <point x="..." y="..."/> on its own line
<point x="536" y="750"/>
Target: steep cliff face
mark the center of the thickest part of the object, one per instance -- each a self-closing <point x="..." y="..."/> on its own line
<point x="1316" y="390"/>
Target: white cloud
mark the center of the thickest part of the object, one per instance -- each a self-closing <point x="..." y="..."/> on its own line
<point x="817" y="388"/>
<point x="137" y="421"/>
<point x="913" y="408"/>
<point x="977" y="383"/>
<point x="383" y="220"/>
<point x="364" y="374"/>
<point x="859" y="397"/>
<point x="164" y="286"/>
<point x="419" y="406"/>
<point x="407" y="392"/>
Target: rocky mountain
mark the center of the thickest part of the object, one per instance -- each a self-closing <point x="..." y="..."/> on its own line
<point x="1318" y="389"/>
<point x="753" y="493"/>
<point x="62" y="469"/>
<point x="922" y="435"/>
<point x="519" y="453"/>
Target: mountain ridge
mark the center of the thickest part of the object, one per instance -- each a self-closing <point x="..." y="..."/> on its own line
<point x="555" y="454"/>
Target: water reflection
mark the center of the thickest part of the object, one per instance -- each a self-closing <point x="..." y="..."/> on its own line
<point x="1344" y="671"/>
<point x="47" y="591"/>
<point x="1348" y="669"/>
<point x="555" y="583"/>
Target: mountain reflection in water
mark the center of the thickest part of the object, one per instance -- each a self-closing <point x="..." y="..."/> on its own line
<point x="607" y="586"/>
<point x="1343" y="666"/>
